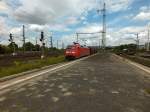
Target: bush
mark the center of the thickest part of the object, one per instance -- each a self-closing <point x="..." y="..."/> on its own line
<point x="4" y="49"/>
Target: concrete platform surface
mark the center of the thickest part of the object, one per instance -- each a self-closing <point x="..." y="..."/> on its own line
<point x="101" y="83"/>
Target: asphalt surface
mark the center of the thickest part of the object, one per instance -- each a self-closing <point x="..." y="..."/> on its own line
<point x="101" y="83"/>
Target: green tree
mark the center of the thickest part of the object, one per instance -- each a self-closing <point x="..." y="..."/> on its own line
<point x="4" y="49"/>
<point x="127" y="48"/>
<point x="37" y="47"/>
<point x="29" y="46"/>
<point x="13" y="46"/>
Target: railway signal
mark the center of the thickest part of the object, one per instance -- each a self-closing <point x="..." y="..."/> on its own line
<point x="24" y="39"/>
<point x="12" y="42"/>
<point x="43" y="44"/>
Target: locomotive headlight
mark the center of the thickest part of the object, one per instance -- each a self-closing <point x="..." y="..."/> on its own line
<point x="73" y="52"/>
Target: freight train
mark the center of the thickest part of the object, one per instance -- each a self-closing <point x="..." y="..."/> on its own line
<point x="77" y="51"/>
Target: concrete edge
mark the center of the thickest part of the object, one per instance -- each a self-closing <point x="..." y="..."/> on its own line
<point x="3" y="79"/>
<point x="38" y="69"/>
<point x="139" y="66"/>
<point x="12" y="82"/>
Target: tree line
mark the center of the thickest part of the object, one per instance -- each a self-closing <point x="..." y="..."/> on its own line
<point x="6" y="49"/>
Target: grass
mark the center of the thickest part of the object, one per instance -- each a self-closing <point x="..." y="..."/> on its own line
<point x="147" y="91"/>
<point x="19" y="67"/>
<point x="140" y="60"/>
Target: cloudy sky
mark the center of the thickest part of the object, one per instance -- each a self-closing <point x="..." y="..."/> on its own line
<point x="63" y="18"/>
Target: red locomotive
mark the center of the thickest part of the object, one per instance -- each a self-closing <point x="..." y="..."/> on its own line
<point x="76" y="51"/>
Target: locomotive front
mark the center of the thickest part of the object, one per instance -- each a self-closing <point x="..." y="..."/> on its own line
<point x="71" y="52"/>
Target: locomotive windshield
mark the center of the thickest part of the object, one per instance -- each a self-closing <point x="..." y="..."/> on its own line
<point x="71" y="47"/>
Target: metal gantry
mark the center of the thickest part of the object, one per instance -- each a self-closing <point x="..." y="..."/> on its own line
<point x="104" y="25"/>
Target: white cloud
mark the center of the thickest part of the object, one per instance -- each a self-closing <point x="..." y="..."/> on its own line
<point x="126" y="35"/>
<point x="3" y="27"/>
<point x="114" y="37"/>
<point x="144" y="14"/>
<point x="50" y="11"/>
<point x="57" y="15"/>
<point x="59" y="27"/>
<point x="3" y="6"/>
<point x="68" y="39"/>
<point x="71" y="20"/>
<point x="37" y="28"/>
<point x="117" y="5"/>
<point x="145" y="8"/>
<point x="91" y="39"/>
<point x="48" y="28"/>
<point x="16" y="30"/>
<point x="90" y="28"/>
<point x="42" y="12"/>
<point x="132" y="29"/>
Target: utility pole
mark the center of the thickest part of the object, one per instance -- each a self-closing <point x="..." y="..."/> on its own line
<point x="63" y="45"/>
<point x="24" y="40"/>
<point x="57" y="44"/>
<point x="99" y="43"/>
<point x="77" y="37"/>
<point x="13" y="43"/>
<point x="137" y="41"/>
<point x="51" y="41"/>
<point x="43" y="44"/>
<point x="36" y="41"/>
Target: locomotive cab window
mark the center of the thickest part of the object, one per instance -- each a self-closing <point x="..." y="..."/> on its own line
<point x="71" y="47"/>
